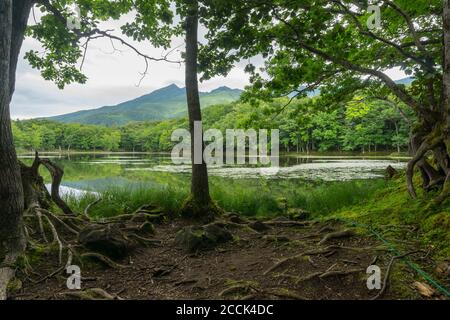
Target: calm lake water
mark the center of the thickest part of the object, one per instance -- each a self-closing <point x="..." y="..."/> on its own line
<point x="97" y="172"/>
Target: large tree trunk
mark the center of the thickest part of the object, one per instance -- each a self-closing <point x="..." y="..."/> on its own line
<point x="13" y="19"/>
<point x="446" y="100"/>
<point x="198" y="206"/>
<point x="433" y="134"/>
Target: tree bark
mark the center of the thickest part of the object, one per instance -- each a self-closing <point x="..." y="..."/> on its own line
<point x="446" y="100"/>
<point x="13" y="20"/>
<point x="199" y="182"/>
<point x="446" y="72"/>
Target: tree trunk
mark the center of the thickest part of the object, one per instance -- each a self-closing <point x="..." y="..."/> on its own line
<point x="445" y="150"/>
<point x="199" y="203"/>
<point x="13" y="20"/>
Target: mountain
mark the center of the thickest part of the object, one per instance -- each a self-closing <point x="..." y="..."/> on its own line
<point x="404" y="81"/>
<point x="165" y="103"/>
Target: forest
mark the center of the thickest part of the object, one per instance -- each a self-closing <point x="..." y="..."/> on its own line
<point x="351" y="98"/>
<point x="359" y="125"/>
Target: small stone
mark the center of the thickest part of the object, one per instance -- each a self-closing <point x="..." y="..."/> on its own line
<point x="107" y="240"/>
<point x="259" y="226"/>
<point x="443" y="267"/>
<point x="147" y="227"/>
<point x="236" y="219"/>
<point x="194" y="238"/>
<point x="15" y="285"/>
<point x="298" y="214"/>
<point x="390" y="172"/>
<point x="217" y="233"/>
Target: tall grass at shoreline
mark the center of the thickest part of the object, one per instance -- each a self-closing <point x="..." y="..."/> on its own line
<point x="259" y="200"/>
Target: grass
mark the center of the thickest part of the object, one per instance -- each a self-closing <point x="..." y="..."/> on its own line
<point x="254" y="198"/>
<point x="392" y="209"/>
<point x="122" y="200"/>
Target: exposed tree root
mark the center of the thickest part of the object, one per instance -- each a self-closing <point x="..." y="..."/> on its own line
<point x="86" y="210"/>
<point x="289" y="223"/>
<point x="104" y="259"/>
<point x="332" y="273"/>
<point x="388" y="272"/>
<point x="338" y="234"/>
<point x="283" y="293"/>
<point x="321" y="275"/>
<point x="285" y="261"/>
<point x="236" y="289"/>
<point x="91" y="294"/>
<point x="322" y="251"/>
<point x="421" y="144"/>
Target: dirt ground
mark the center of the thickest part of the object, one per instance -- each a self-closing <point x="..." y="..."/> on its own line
<point x="287" y="261"/>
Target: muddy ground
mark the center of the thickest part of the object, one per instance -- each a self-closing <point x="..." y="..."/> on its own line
<point x="286" y="261"/>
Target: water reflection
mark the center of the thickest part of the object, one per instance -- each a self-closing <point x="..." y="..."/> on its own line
<point x="96" y="172"/>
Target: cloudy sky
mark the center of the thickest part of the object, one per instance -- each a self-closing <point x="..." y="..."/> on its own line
<point x="112" y="78"/>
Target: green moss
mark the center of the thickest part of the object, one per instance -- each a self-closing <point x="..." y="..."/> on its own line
<point x="14" y="285"/>
<point x="200" y="212"/>
<point x="392" y="211"/>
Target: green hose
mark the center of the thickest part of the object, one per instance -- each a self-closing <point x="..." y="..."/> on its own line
<point x="413" y="266"/>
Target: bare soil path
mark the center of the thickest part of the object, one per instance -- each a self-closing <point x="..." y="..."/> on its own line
<point x="317" y="260"/>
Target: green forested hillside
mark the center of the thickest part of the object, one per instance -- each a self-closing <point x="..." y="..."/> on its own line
<point x="165" y="103"/>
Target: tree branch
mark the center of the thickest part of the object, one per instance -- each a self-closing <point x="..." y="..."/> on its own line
<point x="397" y="90"/>
<point x="372" y="35"/>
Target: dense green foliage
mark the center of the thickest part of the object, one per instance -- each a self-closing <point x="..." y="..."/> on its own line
<point x="49" y="135"/>
<point x="164" y="103"/>
<point x="360" y="125"/>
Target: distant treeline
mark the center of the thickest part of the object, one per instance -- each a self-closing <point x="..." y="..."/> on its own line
<point x="359" y="125"/>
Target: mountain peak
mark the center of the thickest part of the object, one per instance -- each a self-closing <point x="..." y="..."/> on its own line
<point x="170" y="88"/>
<point x="222" y="88"/>
<point x="164" y="103"/>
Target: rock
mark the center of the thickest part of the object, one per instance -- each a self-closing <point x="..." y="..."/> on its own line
<point x="14" y="286"/>
<point x="298" y="214"/>
<point x="390" y="172"/>
<point x="424" y="289"/>
<point x="105" y="239"/>
<point x="217" y="233"/>
<point x="236" y="219"/>
<point x="443" y="267"/>
<point x="160" y="272"/>
<point x="194" y="238"/>
<point x="259" y="226"/>
<point x="147" y="227"/>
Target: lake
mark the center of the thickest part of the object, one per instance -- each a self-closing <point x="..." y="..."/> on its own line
<point x="98" y="172"/>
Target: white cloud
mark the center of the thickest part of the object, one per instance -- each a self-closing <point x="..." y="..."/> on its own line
<point x="112" y="78"/>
